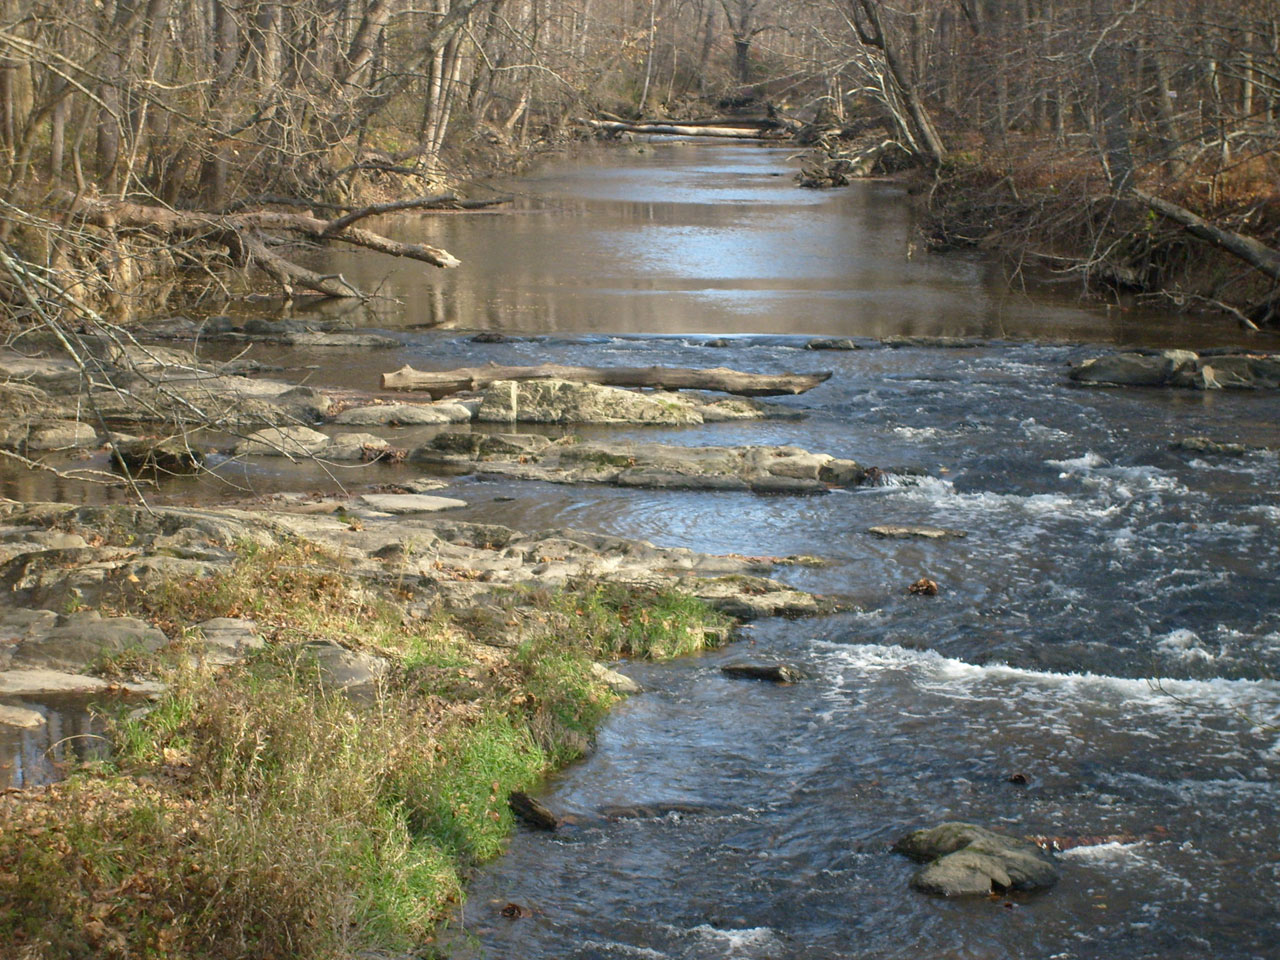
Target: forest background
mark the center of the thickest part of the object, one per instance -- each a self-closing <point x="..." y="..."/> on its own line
<point x="1086" y="137"/>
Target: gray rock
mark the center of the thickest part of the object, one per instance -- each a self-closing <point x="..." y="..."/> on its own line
<point x="841" y="343"/>
<point x="345" y="669"/>
<point x="227" y="640"/>
<point x="405" y="414"/>
<point x="964" y="873"/>
<point x="83" y="639"/>
<point x="402" y="503"/>
<point x="61" y="435"/>
<point x="565" y="401"/>
<point x="894" y="531"/>
<point x="615" y="681"/>
<point x="355" y="446"/>
<point x="283" y="442"/>
<point x="967" y="859"/>
<point x="771" y="672"/>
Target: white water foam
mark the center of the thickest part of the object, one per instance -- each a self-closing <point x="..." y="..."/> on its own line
<point x="754" y="939"/>
<point x="615" y="949"/>
<point x="1251" y="703"/>
<point x="1186" y="645"/>
<point x="1038" y="431"/>
<point x="918" y="433"/>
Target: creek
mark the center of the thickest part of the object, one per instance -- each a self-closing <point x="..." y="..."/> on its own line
<point x="1109" y="628"/>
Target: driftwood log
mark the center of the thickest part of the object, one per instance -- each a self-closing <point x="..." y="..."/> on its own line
<point x="251" y="237"/>
<point x="445" y="382"/>
<point x="740" y="130"/>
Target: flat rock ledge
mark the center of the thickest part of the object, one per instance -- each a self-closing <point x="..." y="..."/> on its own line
<point x="43" y="397"/>
<point x="967" y="860"/>
<point x="897" y="531"/>
<point x="57" y="556"/>
<point x="648" y="465"/>
<point x="1210" y="370"/>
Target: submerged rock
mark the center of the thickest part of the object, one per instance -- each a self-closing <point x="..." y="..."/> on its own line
<point x="968" y="860"/>
<point x="531" y="811"/>
<point x="771" y="672"/>
<point x="894" y="531"/>
<point x="283" y="442"/>
<point x="1206" y="445"/>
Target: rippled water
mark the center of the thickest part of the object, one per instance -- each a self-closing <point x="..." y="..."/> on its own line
<point x="1109" y="627"/>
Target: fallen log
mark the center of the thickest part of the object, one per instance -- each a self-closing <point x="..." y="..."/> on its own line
<point x="760" y="132"/>
<point x="445" y="382"/>
<point x="1253" y="252"/>
<point x="244" y="235"/>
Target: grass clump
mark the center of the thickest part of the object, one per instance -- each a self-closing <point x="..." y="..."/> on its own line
<point x="257" y="812"/>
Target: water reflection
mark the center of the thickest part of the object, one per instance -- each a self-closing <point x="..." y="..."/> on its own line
<point x="714" y="239"/>
<point x="69" y="731"/>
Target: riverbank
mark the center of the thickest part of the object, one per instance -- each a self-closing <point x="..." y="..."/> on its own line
<point x="337" y="711"/>
<point x="1048" y="212"/>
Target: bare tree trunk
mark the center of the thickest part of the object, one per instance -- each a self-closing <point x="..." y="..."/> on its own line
<point x="872" y="34"/>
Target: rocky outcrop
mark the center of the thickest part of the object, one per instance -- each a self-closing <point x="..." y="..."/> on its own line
<point x="967" y="860"/>
<point x="46" y="564"/>
<point x="648" y="465"/>
<point x="1211" y="370"/>
<point x="569" y="401"/>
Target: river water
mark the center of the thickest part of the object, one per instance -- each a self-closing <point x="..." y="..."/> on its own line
<point x="1109" y="628"/>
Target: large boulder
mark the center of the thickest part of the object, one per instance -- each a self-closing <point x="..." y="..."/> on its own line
<point x="967" y="860"/>
<point x="566" y="401"/>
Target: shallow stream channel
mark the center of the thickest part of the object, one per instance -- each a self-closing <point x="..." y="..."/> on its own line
<point x="1100" y="665"/>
